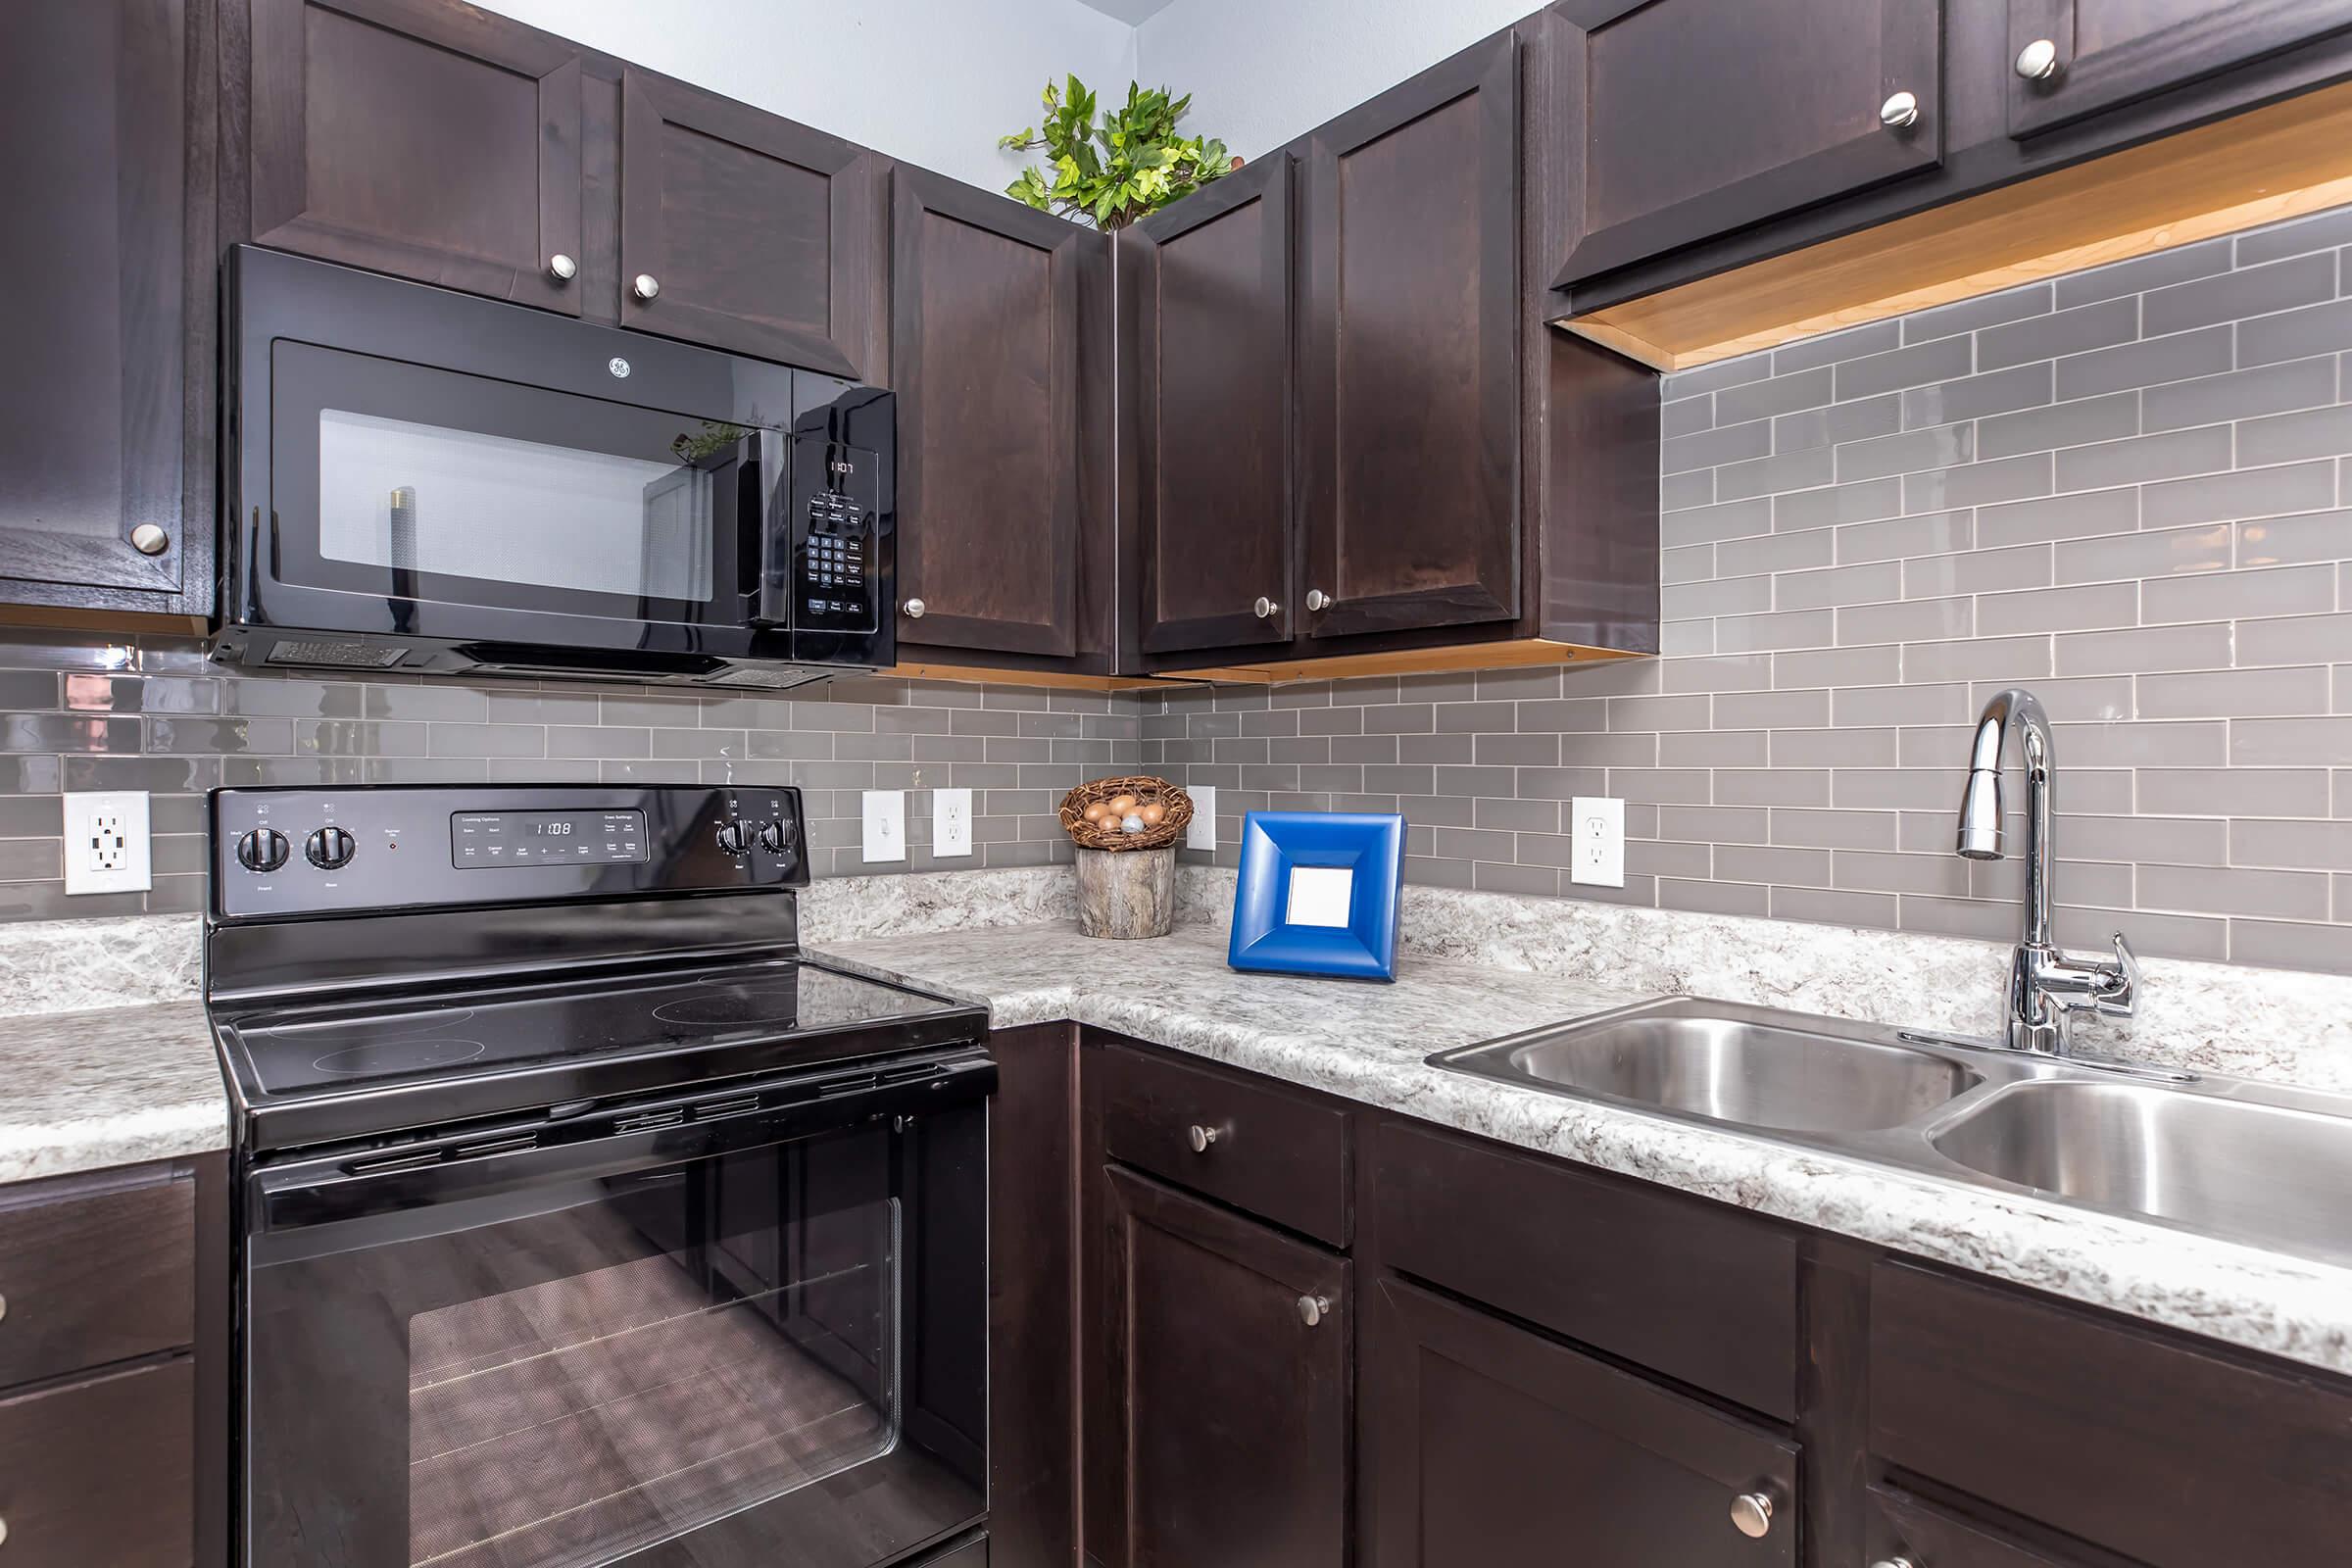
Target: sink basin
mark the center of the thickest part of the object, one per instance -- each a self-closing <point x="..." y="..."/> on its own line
<point x="2264" y="1174"/>
<point x="1725" y="1062"/>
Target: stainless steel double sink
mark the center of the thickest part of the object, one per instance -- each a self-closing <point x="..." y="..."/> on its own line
<point x="2256" y="1163"/>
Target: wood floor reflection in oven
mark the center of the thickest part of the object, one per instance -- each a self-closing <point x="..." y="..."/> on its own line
<point x="558" y="1424"/>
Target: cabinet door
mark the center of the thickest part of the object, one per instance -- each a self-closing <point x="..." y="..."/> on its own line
<point x="2105" y="53"/>
<point x="91" y="101"/>
<point x="985" y="355"/>
<point x="1481" y="1443"/>
<point x="1677" y="119"/>
<point x="1908" y="1529"/>
<point x="758" y="235"/>
<point x="417" y="137"/>
<point x="1217" y="1412"/>
<point x="1209" y="362"/>
<point x="1410" y="397"/>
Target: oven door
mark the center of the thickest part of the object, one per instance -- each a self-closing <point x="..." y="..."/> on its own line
<point x="736" y="1336"/>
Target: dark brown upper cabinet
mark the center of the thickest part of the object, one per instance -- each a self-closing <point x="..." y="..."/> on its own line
<point x="1218" y="1384"/>
<point x="749" y="232"/>
<point x="1481" y="1443"/>
<point x="999" y="521"/>
<point x="1206" y="361"/>
<point x="1409" y="370"/>
<point x="1679" y="120"/>
<point x="2071" y="58"/>
<point x="108" y="358"/>
<point x="433" y="141"/>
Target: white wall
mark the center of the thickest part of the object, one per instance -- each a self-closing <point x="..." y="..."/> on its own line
<point x="931" y="81"/>
<point x="1260" y="71"/>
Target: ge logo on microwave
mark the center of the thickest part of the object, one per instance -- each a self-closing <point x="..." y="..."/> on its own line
<point x="618" y="366"/>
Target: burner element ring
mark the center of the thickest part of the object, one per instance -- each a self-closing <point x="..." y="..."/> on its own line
<point x="405" y="1053"/>
<point x="734" y="1003"/>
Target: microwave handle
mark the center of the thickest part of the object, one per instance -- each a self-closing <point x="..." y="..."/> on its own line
<point x="773" y="496"/>
<point x="322" y="1193"/>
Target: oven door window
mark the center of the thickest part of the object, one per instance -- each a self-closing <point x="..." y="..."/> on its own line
<point x="575" y="1371"/>
<point x="407" y="482"/>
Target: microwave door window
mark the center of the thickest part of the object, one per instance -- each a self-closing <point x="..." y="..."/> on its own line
<point x="417" y="501"/>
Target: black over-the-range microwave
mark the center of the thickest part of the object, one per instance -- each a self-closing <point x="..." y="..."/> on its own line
<point x="423" y="480"/>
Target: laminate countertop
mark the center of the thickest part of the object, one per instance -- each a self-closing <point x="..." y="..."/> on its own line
<point x="1366" y="1041"/>
<point x="110" y="1085"/>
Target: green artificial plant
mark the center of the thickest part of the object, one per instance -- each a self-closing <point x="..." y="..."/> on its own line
<point x="1114" y="172"/>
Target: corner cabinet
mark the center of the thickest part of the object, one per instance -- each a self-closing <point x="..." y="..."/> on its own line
<point x="1206" y="351"/>
<point x="1677" y="119"/>
<point x="1000" y="348"/>
<point x="105" y="489"/>
<point x="1409" y="371"/>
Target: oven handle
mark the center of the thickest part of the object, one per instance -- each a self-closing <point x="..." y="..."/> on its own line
<point x="645" y="1135"/>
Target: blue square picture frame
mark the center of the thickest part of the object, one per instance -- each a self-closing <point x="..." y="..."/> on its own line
<point x="1275" y="846"/>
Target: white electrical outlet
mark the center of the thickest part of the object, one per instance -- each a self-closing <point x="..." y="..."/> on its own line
<point x="885" y="825"/>
<point x="1200" y="833"/>
<point x="951" y="822"/>
<point x="1597" y="824"/>
<point x="106" y="842"/>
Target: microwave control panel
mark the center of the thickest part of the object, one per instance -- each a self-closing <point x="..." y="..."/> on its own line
<point x="835" y="572"/>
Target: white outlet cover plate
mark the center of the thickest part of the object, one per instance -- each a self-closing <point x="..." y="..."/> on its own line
<point x="951" y="822"/>
<point x="1200" y="833"/>
<point x="106" y="842"/>
<point x="885" y="825"/>
<point x="1597" y="824"/>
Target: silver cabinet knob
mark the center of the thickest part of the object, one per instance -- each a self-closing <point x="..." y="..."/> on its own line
<point x="911" y="608"/>
<point x="1201" y="1138"/>
<point x="1751" y="1514"/>
<point x="1264" y="607"/>
<point x="2039" y="60"/>
<point x="1900" y="112"/>
<point x="3" y="1306"/>
<point x="149" y="540"/>
<point x="1313" y="1309"/>
<point x="1894" y="1562"/>
<point x="1317" y="599"/>
<point x="562" y="268"/>
<point x="644" y="285"/>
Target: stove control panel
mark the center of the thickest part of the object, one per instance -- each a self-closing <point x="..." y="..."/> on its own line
<point x="398" y="847"/>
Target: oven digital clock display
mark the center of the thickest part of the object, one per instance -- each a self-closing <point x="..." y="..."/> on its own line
<point x="480" y="839"/>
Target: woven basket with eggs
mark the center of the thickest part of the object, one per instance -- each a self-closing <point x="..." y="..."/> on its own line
<point x="1137" y="812"/>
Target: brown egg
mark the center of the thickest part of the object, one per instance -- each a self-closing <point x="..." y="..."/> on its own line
<point x="1152" y="813"/>
<point x="1096" y="811"/>
<point x="1121" y="804"/>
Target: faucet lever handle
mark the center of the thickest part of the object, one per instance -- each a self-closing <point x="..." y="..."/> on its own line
<point x="2121" y="990"/>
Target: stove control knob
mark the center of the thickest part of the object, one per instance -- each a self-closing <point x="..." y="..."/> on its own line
<point x="775" y="836"/>
<point x="265" y="849"/>
<point x="329" y="849"/>
<point x="734" y="837"/>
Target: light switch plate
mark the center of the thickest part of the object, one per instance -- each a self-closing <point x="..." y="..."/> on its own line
<point x="1200" y="833"/>
<point x="106" y="842"/>
<point x="1597" y="824"/>
<point x="885" y="825"/>
<point x="951" y="822"/>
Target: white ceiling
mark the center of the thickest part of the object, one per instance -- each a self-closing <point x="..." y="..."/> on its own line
<point x="1131" y="12"/>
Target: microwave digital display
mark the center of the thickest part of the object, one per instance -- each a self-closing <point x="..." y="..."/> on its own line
<point x="479" y="839"/>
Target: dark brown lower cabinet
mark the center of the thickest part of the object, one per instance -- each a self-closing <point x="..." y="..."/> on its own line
<point x="1528" y="1385"/>
<point x="1482" y="1443"/>
<point x="1218" y="1414"/>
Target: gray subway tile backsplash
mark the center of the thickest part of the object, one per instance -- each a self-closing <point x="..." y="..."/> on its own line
<point x="2130" y="487"/>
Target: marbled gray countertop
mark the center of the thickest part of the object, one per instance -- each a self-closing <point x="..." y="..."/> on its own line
<point x="1365" y="1042"/>
<point x="110" y="1087"/>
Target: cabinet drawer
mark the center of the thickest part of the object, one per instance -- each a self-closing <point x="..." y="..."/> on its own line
<point x="1268" y="1150"/>
<point x="95" y="1277"/>
<point x="1699" y="1293"/>
<point x="1909" y="1528"/>
<point x="2166" y="1452"/>
<point x="102" y="1472"/>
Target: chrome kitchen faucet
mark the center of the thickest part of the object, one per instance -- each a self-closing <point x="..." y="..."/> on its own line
<point x="2046" y="986"/>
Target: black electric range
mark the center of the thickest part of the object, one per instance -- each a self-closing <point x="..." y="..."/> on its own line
<point x="586" y="1219"/>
